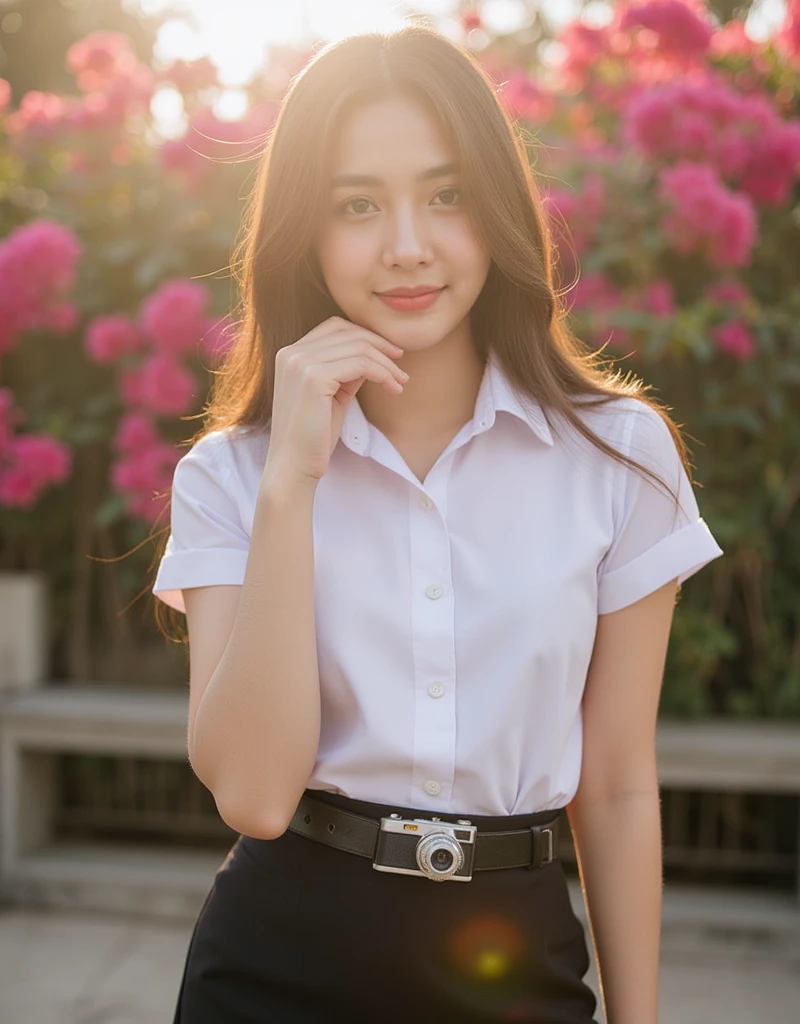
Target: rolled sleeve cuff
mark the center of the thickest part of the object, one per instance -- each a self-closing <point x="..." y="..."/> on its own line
<point x="181" y="569"/>
<point x="679" y="555"/>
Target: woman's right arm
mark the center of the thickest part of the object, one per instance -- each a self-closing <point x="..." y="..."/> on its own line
<point x="254" y="738"/>
<point x="254" y="720"/>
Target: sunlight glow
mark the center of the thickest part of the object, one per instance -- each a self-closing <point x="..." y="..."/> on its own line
<point x="237" y="34"/>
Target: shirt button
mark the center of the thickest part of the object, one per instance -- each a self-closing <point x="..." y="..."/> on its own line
<point x="434" y="592"/>
<point x="436" y="689"/>
<point x="425" y="502"/>
<point x="433" y="787"/>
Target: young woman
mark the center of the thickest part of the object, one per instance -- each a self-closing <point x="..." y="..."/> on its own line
<point x="428" y="552"/>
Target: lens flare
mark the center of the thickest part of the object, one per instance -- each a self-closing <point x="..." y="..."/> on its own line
<point x="486" y="947"/>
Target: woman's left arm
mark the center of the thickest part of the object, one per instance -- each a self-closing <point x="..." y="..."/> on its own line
<point x="615" y="816"/>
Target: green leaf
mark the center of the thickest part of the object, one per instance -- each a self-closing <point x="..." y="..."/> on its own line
<point x="110" y="511"/>
<point x="86" y="433"/>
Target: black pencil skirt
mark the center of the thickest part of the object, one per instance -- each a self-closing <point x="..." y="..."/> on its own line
<point x="296" y="931"/>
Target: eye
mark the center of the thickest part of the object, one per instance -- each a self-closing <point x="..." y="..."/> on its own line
<point x="345" y="207"/>
<point x="451" y="191"/>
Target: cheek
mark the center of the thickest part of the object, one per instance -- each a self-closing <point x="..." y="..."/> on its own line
<point x="347" y="253"/>
<point x="345" y="261"/>
<point x="470" y="266"/>
<point x="465" y="250"/>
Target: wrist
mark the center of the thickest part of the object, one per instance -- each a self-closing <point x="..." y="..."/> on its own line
<point x="279" y="485"/>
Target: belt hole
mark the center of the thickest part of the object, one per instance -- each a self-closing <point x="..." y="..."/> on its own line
<point x="331" y="826"/>
<point x="307" y="819"/>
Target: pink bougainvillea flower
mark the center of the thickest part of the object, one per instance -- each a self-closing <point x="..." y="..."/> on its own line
<point x="190" y="75"/>
<point x="103" y="110"/>
<point x="165" y="386"/>
<point x="470" y="20"/>
<point x="658" y="298"/>
<point x="131" y="92"/>
<point x="18" y="489"/>
<point x="707" y="120"/>
<point x="735" y="338"/>
<point x="773" y="164"/>
<point x="174" y="317"/>
<point x="732" y="39"/>
<point x="5" y="94"/>
<point x="39" y="117"/>
<point x="728" y="292"/>
<point x="526" y="99"/>
<point x="38" y="263"/>
<point x="705" y="216"/>
<point x="177" y="156"/>
<point x="92" y="113"/>
<point x="142" y="476"/>
<point x="99" y="58"/>
<point x="32" y="462"/>
<point x="583" y="45"/>
<point x="46" y="250"/>
<point x="135" y="432"/>
<point x="130" y="389"/>
<point x="110" y="338"/>
<point x="578" y="211"/>
<point x="214" y="138"/>
<point x="676" y="26"/>
<point x="208" y="139"/>
<point x="595" y="291"/>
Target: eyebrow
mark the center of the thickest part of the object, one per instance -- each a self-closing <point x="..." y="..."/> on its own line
<point x="346" y="180"/>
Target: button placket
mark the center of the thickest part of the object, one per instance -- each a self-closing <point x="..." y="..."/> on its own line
<point x="433" y="633"/>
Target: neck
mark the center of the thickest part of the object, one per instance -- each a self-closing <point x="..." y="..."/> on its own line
<point x="438" y="399"/>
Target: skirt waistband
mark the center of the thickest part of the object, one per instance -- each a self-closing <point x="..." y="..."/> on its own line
<point x="484" y="822"/>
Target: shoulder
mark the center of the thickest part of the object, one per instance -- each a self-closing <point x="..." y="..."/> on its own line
<point x="232" y="453"/>
<point x="625" y="423"/>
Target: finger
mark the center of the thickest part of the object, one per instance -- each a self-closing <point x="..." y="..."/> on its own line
<point x="342" y="371"/>
<point x="363" y="348"/>
<point x="336" y="327"/>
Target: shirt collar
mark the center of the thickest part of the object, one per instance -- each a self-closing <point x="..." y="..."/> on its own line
<point x="496" y="394"/>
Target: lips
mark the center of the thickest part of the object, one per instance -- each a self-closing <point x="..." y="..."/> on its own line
<point x="410" y="292"/>
<point x="410" y="303"/>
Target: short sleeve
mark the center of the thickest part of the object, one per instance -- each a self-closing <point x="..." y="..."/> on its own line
<point x="207" y="543"/>
<point x="653" y="541"/>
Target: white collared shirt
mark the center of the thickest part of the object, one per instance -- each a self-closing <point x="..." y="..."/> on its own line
<point x="455" y="618"/>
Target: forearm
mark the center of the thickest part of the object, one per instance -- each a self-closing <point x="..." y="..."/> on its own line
<point x="256" y="731"/>
<point x="618" y="844"/>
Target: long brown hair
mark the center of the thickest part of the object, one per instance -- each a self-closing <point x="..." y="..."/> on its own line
<point x="520" y="313"/>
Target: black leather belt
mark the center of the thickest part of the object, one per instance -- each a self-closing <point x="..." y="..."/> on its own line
<point x="530" y="847"/>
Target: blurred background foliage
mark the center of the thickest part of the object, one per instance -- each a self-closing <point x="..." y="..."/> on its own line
<point x="706" y="308"/>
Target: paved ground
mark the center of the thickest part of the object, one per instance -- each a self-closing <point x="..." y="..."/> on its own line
<point x="734" y="960"/>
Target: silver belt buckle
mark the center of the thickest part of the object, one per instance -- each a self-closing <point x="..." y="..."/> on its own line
<point x="442" y="851"/>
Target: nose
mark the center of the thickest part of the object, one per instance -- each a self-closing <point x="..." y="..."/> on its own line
<point x="407" y="235"/>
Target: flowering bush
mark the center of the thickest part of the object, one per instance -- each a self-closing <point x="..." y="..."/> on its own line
<point x="669" y="166"/>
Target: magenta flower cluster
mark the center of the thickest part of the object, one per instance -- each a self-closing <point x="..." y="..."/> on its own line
<point x="149" y="352"/>
<point x="29" y="462"/>
<point x="677" y="26"/>
<point x="38" y="265"/>
<point x="679" y="134"/>
<point x="740" y="138"/>
<point x="678" y="127"/>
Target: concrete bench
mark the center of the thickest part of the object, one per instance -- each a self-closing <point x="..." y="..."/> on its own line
<point x="37" y="725"/>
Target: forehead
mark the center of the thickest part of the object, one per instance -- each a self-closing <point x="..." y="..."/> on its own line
<point x="395" y="137"/>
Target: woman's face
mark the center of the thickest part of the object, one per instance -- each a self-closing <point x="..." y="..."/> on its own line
<point x="407" y="225"/>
